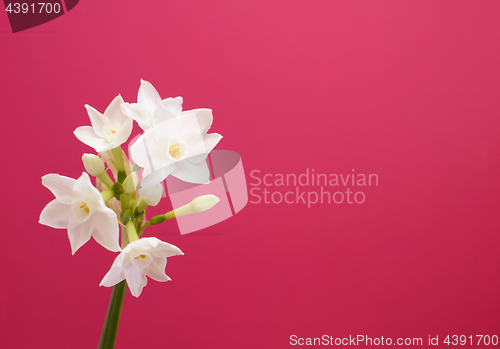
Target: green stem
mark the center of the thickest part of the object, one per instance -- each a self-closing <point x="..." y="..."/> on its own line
<point x="141" y="205"/>
<point x="141" y="229"/>
<point x="108" y="336"/>
<point x="157" y="220"/>
<point x="107" y="194"/>
<point x="117" y="154"/>
<point x="131" y="231"/>
<point x="104" y="177"/>
<point x="124" y="202"/>
<point x="169" y="215"/>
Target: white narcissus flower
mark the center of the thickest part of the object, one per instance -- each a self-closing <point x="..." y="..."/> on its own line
<point x="145" y="113"/>
<point x="79" y="207"/>
<point x="146" y="256"/>
<point x="108" y="130"/>
<point x="178" y="146"/>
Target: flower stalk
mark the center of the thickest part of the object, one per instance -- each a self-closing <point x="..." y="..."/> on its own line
<point x="107" y="194"/>
<point x="104" y="177"/>
<point x="110" y="328"/>
<point x="141" y="205"/>
<point x="117" y="154"/>
<point x="86" y="211"/>
<point x="129" y="223"/>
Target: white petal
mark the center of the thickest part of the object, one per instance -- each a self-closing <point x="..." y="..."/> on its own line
<point x="140" y="151"/>
<point x="157" y="176"/>
<point x="115" y="274"/>
<point x="61" y="187"/>
<point x="87" y="136"/>
<point x="148" y="95"/>
<point x="136" y="280"/>
<point x="167" y="250"/>
<point x="79" y="233"/>
<point x="97" y="120"/>
<point x="138" y="112"/>
<point x="174" y="104"/>
<point x="114" y="113"/>
<point x="209" y="143"/>
<point x="211" y="140"/>
<point x="124" y="132"/>
<point x="192" y="173"/>
<point x="56" y="215"/>
<point x="84" y="186"/>
<point x="106" y="231"/>
<point x="204" y="116"/>
<point x="190" y="129"/>
<point x="163" y="113"/>
<point x="166" y="130"/>
<point x="156" y="270"/>
<point x="197" y="158"/>
<point x="158" y="162"/>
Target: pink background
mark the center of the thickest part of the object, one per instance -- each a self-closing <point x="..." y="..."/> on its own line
<point x="405" y="89"/>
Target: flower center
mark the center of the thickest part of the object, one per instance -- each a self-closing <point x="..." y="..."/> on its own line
<point x="82" y="208"/>
<point x="85" y="208"/>
<point x="111" y="132"/>
<point x="175" y="150"/>
<point x="140" y="258"/>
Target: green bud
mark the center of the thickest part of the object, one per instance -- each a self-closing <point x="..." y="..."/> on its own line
<point x="157" y="220"/>
<point x="117" y="190"/>
<point x="121" y="176"/>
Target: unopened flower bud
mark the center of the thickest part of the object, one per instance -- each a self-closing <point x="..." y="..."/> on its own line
<point x="152" y="195"/>
<point x="130" y="183"/>
<point x="199" y="204"/>
<point x="93" y="164"/>
<point x="117" y="190"/>
<point x="157" y="220"/>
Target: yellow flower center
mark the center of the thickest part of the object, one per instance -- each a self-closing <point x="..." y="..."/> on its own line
<point x="141" y="256"/>
<point x="174" y="150"/>
<point x="111" y="132"/>
<point x="85" y="207"/>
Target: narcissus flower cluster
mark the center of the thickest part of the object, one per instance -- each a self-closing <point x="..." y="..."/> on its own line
<point x="174" y="142"/>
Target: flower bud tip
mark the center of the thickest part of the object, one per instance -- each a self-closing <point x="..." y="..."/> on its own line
<point x="204" y="202"/>
<point x="93" y="164"/>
